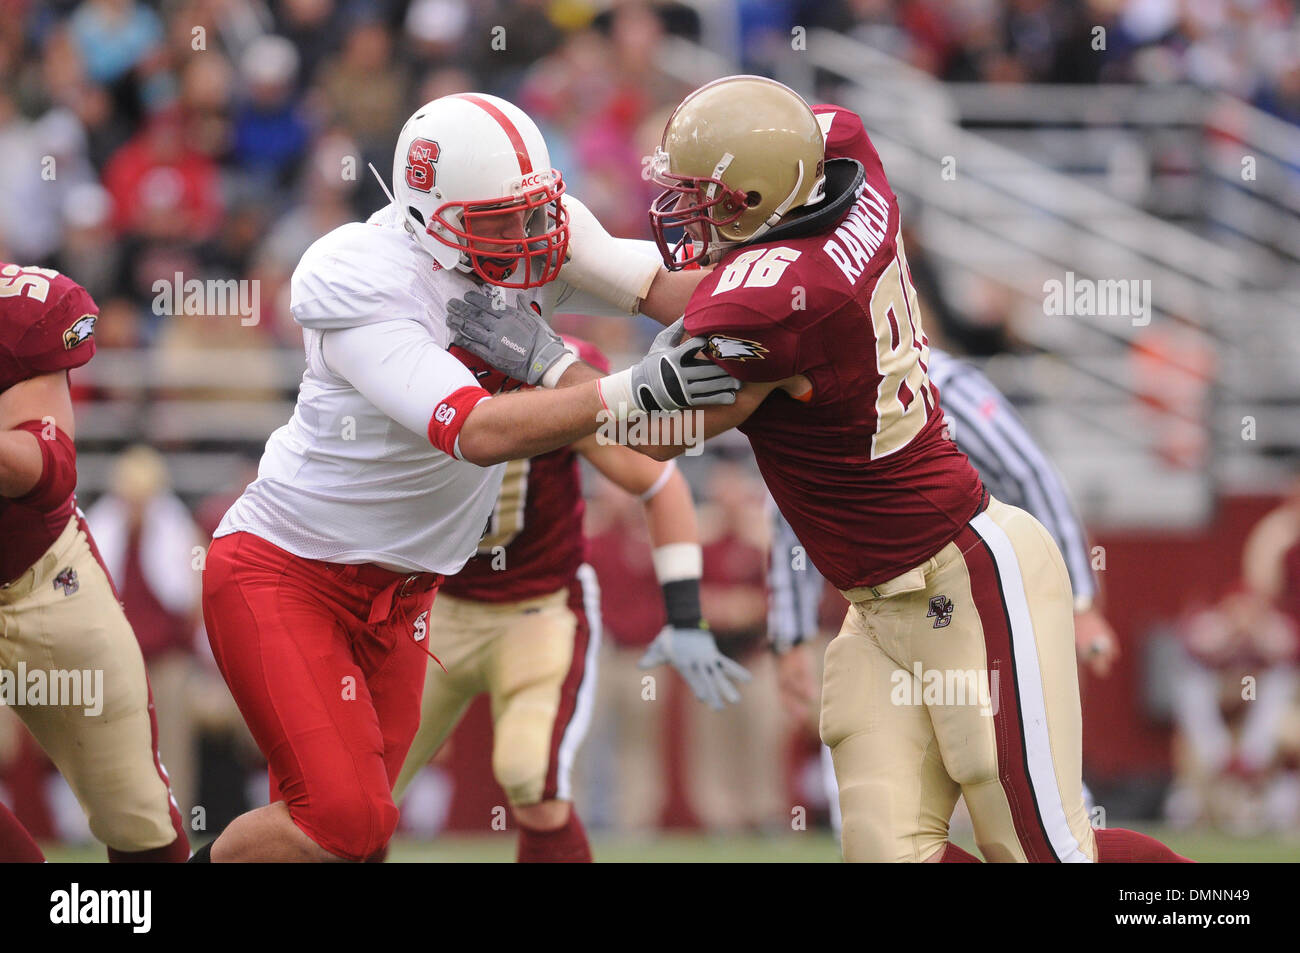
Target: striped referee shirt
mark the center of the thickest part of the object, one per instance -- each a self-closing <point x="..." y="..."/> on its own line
<point x="991" y="434"/>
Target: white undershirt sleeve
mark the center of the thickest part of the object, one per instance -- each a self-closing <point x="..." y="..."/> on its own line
<point x="563" y="297"/>
<point x="398" y="367"/>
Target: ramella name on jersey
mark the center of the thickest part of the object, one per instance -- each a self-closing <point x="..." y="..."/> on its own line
<point x="860" y="235"/>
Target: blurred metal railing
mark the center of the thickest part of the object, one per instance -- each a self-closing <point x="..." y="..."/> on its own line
<point x="1211" y="160"/>
<point x="209" y="411"/>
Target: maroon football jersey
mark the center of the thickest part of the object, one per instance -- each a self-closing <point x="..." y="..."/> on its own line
<point x="47" y="324"/>
<point x="534" y="542"/>
<point x="860" y="464"/>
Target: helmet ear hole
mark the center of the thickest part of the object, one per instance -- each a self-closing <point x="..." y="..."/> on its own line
<point x="415" y="214"/>
<point x="752" y="199"/>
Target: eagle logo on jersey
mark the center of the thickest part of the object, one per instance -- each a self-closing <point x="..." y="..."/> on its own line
<point x="941" y="611"/>
<point x="67" y="581"/>
<point x="733" y="349"/>
<point x="421" y="626"/>
<point x="81" y="329"/>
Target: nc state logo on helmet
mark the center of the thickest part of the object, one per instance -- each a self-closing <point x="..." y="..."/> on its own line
<point x="472" y="178"/>
<point x="737" y="154"/>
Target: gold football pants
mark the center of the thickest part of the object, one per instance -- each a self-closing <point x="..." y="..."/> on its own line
<point x="536" y="659"/>
<point x="958" y="678"/>
<point x="62" y="618"/>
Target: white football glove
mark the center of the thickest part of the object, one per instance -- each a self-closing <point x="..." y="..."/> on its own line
<point x="695" y="655"/>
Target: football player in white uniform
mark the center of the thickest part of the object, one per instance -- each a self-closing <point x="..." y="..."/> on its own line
<point x="318" y="584"/>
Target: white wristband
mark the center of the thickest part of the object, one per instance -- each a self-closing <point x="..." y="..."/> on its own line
<point x="616" y="394"/>
<point x="551" y="378"/>
<point x="677" y="561"/>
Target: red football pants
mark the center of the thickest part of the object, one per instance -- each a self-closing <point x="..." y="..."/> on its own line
<point x="323" y="661"/>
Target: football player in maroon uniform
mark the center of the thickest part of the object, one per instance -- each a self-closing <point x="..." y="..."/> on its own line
<point x="810" y="303"/>
<point x="522" y="622"/>
<point x="59" y="614"/>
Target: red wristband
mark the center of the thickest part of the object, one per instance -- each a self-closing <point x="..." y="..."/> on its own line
<point x="450" y="415"/>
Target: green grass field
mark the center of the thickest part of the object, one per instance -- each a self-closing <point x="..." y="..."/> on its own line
<point x="795" y="847"/>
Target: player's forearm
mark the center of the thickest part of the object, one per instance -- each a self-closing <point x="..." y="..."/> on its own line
<point x="669" y="293"/>
<point x="495" y="433"/>
<point x="678" y="559"/>
<point x="668" y="438"/>
<point x="670" y="513"/>
<point x="579" y="373"/>
<point x="515" y="426"/>
<point x="626" y="273"/>
<point x="20" y="462"/>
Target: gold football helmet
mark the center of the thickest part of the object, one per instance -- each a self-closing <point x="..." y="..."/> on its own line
<point x="737" y="155"/>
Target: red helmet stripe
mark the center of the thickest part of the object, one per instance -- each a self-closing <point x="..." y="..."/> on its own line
<point x="516" y="140"/>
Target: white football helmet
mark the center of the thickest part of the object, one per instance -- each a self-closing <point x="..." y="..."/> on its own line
<point x="464" y="157"/>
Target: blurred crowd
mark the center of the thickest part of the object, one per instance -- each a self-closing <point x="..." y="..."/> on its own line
<point x="219" y="138"/>
<point x="1250" y="48"/>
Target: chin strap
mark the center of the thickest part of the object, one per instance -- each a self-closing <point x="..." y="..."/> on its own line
<point x="462" y="262"/>
<point x="845" y="176"/>
<point x="775" y="218"/>
<point x="718" y="247"/>
<point x="406" y="216"/>
<point x="382" y="184"/>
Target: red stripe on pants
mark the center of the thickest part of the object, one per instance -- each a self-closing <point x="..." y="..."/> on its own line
<point x="569" y="690"/>
<point x="1013" y="767"/>
<point x="178" y="850"/>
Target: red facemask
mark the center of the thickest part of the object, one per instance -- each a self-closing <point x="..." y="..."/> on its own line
<point x="668" y="212"/>
<point x="534" y="259"/>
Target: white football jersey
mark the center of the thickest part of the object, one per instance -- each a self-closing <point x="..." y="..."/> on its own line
<point x="354" y="477"/>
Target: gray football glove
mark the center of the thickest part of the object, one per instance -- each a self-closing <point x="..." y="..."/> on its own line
<point x="695" y="655"/>
<point x="513" y="339"/>
<point x="676" y="377"/>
